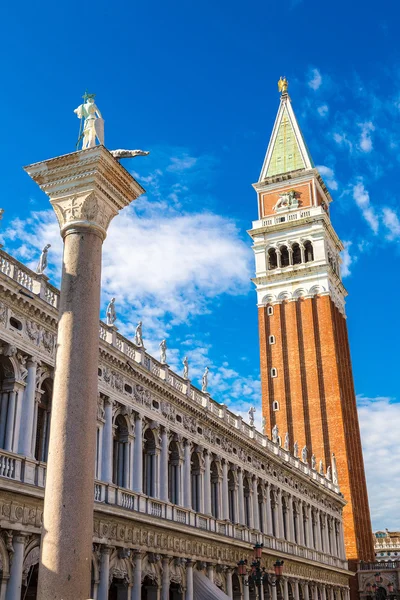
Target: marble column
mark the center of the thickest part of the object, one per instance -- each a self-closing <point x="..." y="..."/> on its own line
<point x="323" y="593"/>
<point x="102" y="592"/>
<point x="26" y="429"/>
<point x="268" y="529"/>
<point x="306" y="592"/>
<point x="210" y="572"/>
<point x="8" y="444"/>
<point x="165" y="578"/>
<point x="187" y="476"/>
<point x="256" y="516"/>
<point x="86" y="189"/>
<point x="189" y="580"/>
<point x="14" y="585"/>
<point x="225" y="493"/>
<point x="164" y="465"/>
<point x="274" y="593"/>
<point x="3" y="417"/>
<point x="107" y="450"/>
<point x="311" y="543"/>
<point x="296" y="593"/>
<point x="285" y="590"/>
<point x="291" y="519"/>
<point x="229" y="586"/>
<point x="137" y="578"/>
<point x="242" y="520"/>
<point x="207" y="483"/>
<point x="138" y="456"/>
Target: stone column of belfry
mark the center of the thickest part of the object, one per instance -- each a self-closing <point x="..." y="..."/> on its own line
<point x="86" y="190"/>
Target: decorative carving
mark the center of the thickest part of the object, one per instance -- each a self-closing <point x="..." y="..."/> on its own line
<point x="287" y="200"/>
<point x="33" y="331"/>
<point x="48" y="341"/>
<point x="3" y="313"/>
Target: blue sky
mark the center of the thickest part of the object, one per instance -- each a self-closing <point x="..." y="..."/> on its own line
<point x="196" y="85"/>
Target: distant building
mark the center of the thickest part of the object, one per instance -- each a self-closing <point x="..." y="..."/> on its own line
<point x="387" y="545"/>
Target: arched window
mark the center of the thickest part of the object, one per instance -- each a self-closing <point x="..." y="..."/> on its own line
<point x="296" y="254"/>
<point x="174" y="474"/>
<point x="274" y="372"/>
<point x="270" y="311"/>
<point x="275" y="405"/>
<point x="247" y="502"/>
<point x="43" y="421"/>
<point x="149" y="464"/>
<point x="214" y="490"/>
<point x="308" y="252"/>
<point x="271" y="339"/>
<point x="195" y="481"/>
<point x="121" y="452"/>
<point x="272" y="259"/>
<point x="285" y="262"/>
<point x="232" y="497"/>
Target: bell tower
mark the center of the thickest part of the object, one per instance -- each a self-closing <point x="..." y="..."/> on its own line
<point x="306" y="373"/>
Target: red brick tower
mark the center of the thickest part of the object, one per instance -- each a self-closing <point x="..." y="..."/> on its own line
<point x="306" y="373"/>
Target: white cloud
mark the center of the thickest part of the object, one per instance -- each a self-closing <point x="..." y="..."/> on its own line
<point x="380" y="424"/>
<point x="347" y="260"/>
<point x="316" y="79"/>
<point x="328" y="174"/>
<point x="391" y="222"/>
<point x="181" y="163"/>
<point x="323" y="110"/>
<point x="342" y="140"/>
<point x="365" y="138"/>
<point x="361" y="196"/>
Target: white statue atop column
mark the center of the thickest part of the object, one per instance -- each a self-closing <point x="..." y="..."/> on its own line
<point x="93" y="123"/>
<point x="251" y="412"/>
<point x="204" y="380"/>
<point x="42" y="264"/>
<point x="185" y="368"/>
<point x="328" y="473"/>
<point x="321" y="467"/>
<point x="275" y="434"/>
<point x="313" y="462"/>
<point x="138" y="334"/>
<point x="163" y="351"/>
<point x="111" y="315"/>
<point x="334" y="470"/>
<point x="304" y="455"/>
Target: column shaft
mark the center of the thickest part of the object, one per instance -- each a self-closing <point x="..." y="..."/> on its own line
<point x="14" y="585"/>
<point x="102" y="592"/>
<point x="10" y="422"/>
<point x="229" y="587"/>
<point x="164" y="466"/>
<point x="242" y="520"/>
<point x="66" y="552"/>
<point x="138" y="456"/>
<point x="207" y="484"/>
<point x="189" y="580"/>
<point x="256" y="520"/>
<point x="165" y="579"/>
<point x="137" y="579"/>
<point x="26" y="430"/>
<point x="187" y="483"/>
<point x="107" y="450"/>
<point x="225" y="496"/>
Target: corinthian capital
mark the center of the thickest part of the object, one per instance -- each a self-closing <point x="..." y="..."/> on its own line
<point x="86" y="188"/>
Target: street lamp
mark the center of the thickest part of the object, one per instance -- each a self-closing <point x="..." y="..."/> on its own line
<point x="376" y="591"/>
<point x="257" y="575"/>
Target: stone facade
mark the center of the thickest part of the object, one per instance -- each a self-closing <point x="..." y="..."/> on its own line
<point x="182" y="484"/>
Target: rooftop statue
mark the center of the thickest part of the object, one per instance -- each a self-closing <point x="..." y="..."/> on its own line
<point x="185" y="368"/>
<point x="275" y="434"/>
<point x="138" y="334"/>
<point x="287" y="441"/>
<point x="111" y="315"/>
<point x="163" y="351"/>
<point x="93" y="123"/>
<point x="42" y="264"/>
<point x="283" y="85"/>
<point x="204" y="380"/>
<point x="264" y="426"/>
<point x="251" y="412"/>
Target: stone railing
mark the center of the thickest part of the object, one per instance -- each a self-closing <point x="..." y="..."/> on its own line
<point x="288" y="217"/>
<point x="38" y="284"/>
<point x="23" y="470"/>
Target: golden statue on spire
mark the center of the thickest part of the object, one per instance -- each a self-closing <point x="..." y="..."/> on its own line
<point x="283" y="85"/>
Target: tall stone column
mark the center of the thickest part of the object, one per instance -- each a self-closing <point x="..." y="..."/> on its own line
<point x="165" y="578"/>
<point x="306" y="592"/>
<point x="256" y="519"/>
<point x="241" y="497"/>
<point x="285" y="590"/>
<point x="210" y="572"/>
<point x="164" y="466"/>
<point x="107" y="450"/>
<point x="207" y="483"/>
<point x="102" y="592"/>
<point x="187" y="483"/>
<point x="274" y="593"/>
<point x="269" y="526"/>
<point x="229" y="586"/>
<point x="14" y="585"/>
<point x="189" y="580"/>
<point x="225" y="496"/>
<point x="137" y="578"/>
<point x="86" y="189"/>
<point x="138" y="456"/>
<point x="26" y="430"/>
<point x="8" y="445"/>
